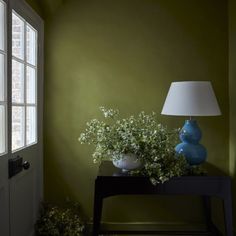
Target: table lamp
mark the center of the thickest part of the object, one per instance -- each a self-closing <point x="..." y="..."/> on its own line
<point x="191" y="98"/>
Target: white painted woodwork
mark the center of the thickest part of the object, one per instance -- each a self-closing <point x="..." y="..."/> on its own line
<point x="21" y="195"/>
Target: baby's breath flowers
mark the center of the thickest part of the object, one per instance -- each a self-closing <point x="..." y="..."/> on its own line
<point x="152" y="143"/>
<point x="58" y="220"/>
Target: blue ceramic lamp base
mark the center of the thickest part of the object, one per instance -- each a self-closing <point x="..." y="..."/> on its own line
<point x="190" y="135"/>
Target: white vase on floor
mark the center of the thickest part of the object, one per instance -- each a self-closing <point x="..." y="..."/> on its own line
<point x="127" y="162"/>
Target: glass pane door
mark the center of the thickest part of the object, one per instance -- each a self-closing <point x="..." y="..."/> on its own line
<point x="24" y="83"/>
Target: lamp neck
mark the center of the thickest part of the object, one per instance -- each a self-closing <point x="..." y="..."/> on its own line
<point x="192" y="118"/>
<point x="190" y="121"/>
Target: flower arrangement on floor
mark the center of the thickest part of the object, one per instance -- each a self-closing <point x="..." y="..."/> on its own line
<point x="142" y="135"/>
<point x="60" y="221"/>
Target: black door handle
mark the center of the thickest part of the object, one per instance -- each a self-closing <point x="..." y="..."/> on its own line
<point x="26" y="165"/>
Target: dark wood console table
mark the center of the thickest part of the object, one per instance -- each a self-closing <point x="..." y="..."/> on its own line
<point x="111" y="181"/>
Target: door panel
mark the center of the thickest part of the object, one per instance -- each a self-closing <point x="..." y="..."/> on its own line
<point x="23" y="216"/>
<point x="24" y="198"/>
<point x="4" y="201"/>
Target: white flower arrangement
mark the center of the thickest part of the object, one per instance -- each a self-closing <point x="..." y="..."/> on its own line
<point x="141" y="135"/>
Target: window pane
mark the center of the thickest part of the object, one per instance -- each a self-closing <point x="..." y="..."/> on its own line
<point x="17" y="82"/>
<point x="31" y="45"/>
<point x="2" y="24"/>
<point x="17" y="36"/>
<point x="2" y="76"/>
<point x="30" y="84"/>
<point x="17" y="127"/>
<point x="2" y="129"/>
<point x="31" y="125"/>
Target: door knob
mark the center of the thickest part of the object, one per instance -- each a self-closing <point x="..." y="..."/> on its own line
<point x="26" y="165"/>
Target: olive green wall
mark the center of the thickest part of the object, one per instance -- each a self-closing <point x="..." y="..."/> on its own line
<point x="125" y="54"/>
<point x="232" y="90"/>
<point x="36" y="6"/>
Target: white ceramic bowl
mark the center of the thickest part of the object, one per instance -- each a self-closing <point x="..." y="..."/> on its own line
<point x="127" y="162"/>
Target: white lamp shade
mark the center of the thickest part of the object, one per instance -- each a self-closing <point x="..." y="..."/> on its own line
<point x="191" y="98"/>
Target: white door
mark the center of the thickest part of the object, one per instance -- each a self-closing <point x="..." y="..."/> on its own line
<point x="21" y="165"/>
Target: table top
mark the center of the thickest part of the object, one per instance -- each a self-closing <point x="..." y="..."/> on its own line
<point x="112" y="181"/>
<point x="107" y="169"/>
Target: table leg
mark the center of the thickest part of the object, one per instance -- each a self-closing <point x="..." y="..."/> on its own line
<point x="207" y="209"/>
<point x="227" y="201"/>
<point x="97" y="212"/>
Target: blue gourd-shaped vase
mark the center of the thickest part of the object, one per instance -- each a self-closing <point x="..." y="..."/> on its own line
<point x="193" y="151"/>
